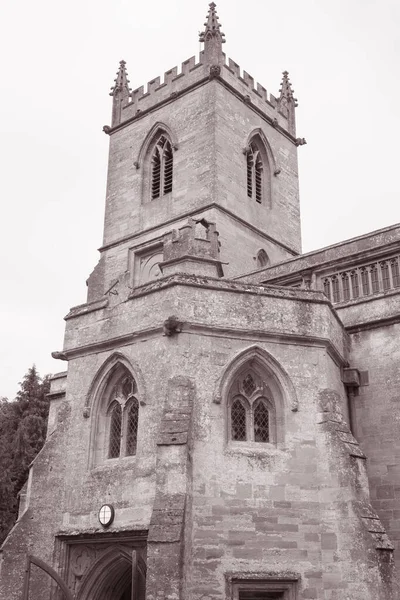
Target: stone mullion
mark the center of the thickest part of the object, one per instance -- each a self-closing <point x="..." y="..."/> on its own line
<point x="394" y="263"/>
<point x="250" y="421"/>
<point x="389" y="266"/>
<point x="360" y="279"/>
<point x="368" y="271"/>
<point x="349" y="273"/>
<point x="380" y="278"/>
<point x="340" y="285"/>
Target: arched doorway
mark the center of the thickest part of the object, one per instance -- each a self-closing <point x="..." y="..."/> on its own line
<point x="120" y="574"/>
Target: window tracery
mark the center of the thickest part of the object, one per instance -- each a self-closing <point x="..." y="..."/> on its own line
<point x="123" y="418"/>
<point x="162" y="162"/>
<point x="251" y="409"/>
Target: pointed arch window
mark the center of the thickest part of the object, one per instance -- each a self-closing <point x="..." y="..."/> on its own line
<point x="251" y="410"/>
<point x="255" y="168"/>
<point x="262" y="258"/>
<point x="162" y="164"/>
<point x="122" y="416"/>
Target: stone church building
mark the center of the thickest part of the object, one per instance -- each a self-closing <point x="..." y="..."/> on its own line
<point x="229" y="424"/>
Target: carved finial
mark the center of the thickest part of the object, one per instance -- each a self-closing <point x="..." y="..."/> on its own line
<point x="286" y="91"/>
<point x="121" y="81"/>
<point x="121" y="93"/>
<point x="213" y="37"/>
<point x="287" y="102"/>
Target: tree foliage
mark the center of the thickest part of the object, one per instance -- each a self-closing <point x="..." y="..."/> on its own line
<point x="23" y="425"/>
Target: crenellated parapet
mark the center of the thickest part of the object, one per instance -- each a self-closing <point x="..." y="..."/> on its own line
<point x="212" y="64"/>
<point x="193" y="73"/>
<point x="159" y="90"/>
<point x="194" y="249"/>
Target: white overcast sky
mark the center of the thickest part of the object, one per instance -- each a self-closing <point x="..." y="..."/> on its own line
<point x="58" y="61"/>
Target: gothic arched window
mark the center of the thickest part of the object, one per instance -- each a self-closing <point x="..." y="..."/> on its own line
<point x="262" y="258"/>
<point x="255" y="176"/>
<point x="122" y="417"/>
<point x="251" y="409"/>
<point x="162" y="163"/>
<point x="260" y="165"/>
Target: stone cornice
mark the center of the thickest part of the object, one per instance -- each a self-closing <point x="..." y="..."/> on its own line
<point x="210" y="283"/>
<point x="192" y="328"/>
<point x="229" y="286"/>
<point x="375" y="324"/>
<point x="82" y="309"/>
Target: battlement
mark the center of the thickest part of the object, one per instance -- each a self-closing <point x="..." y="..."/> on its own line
<point x="158" y="90"/>
<point x="211" y="64"/>
<point x="194" y="248"/>
<point x="197" y="71"/>
<point x="248" y="80"/>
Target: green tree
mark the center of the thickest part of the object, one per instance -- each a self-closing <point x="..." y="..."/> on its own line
<point x="23" y="425"/>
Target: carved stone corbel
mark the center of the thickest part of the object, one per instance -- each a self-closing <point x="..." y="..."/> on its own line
<point x="215" y="71"/>
<point x="172" y="326"/>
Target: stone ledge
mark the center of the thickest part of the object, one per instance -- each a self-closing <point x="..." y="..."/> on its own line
<point x="83" y="309"/>
<point x="231" y="286"/>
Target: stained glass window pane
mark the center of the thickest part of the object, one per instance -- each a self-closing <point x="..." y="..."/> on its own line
<point x="327" y="288"/>
<point x="354" y="284"/>
<point x="248" y="385"/>
<point x="395" y="273"/>
<point x="115" y="431"/>
<point x="374" y="279"/>
<point x="132" y="428"/>
<point x="238" y="421"/>
<point x="127" y="387"/>
<point x="346" y="287"/>
<point x="365" y="282"/>
<point x="261" y="423"/>
<point x="385" y="276"/>
<point x="335" y="289"/>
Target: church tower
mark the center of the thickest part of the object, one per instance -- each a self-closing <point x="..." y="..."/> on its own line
<point x="199" y="445"/>
<point x="206" y="143"/>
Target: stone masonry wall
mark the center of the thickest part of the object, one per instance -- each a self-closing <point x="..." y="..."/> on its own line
<point x="210" y="128"/>
<point x="235" y="121"/>
<point x="290" y="506"/>
<point x="34" y="531"/>
<point x="238" y="251"/>
<point x="278" y="511"/>
<point x="190" y="118"/>
<point x="377" y="414"/>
